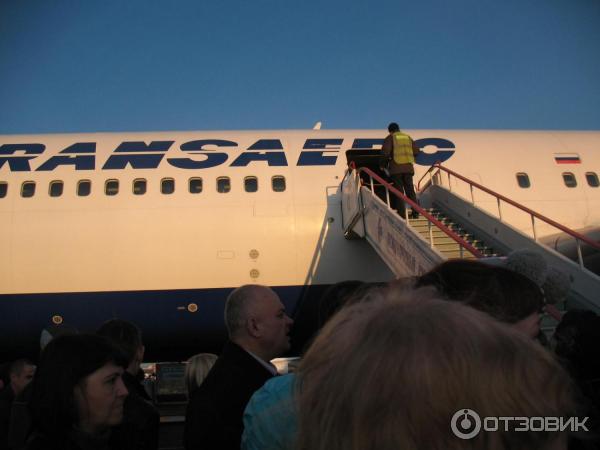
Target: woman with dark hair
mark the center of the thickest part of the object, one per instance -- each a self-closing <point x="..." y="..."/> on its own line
<point x="78" y="394"/>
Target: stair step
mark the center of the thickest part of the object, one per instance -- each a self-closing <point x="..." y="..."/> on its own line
<point x="434" y="232"/>
<point x="456" y="254"/>
<point x="440" y="235"/>
<point x="425" y="226"/>
<point x="440" y="241"/>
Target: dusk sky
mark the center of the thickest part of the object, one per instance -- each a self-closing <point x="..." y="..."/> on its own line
<point x="132" y="65"/>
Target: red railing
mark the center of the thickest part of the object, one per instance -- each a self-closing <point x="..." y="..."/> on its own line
<point x="432" y="220"/>
<point x="499" y="197"/>
<point x="550" y="309"/>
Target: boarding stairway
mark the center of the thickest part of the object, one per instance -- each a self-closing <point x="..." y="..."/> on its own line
<point x="459" y="218"/>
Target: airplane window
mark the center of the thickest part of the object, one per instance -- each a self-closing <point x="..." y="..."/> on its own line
<point x="569" y="179"/>
<point x="84" y="187"/>
<point x="592" y="179"/>
<point x="523" y="180"/>
<point x="195" y="185"/>
<point x="3" y="189"/>
<point x="28" y="189"/>
<point x="139" y="186"/>
<point x="278" y="183"/>
<point x="251" y="184"/>
<point x="56" y="188"/>
<point x="167" y="185"/>
<point x="111" y="187"/>
<point x="223" y="185"/>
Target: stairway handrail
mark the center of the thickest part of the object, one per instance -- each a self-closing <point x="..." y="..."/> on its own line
<point x="435" y="165"/>
<point x="550" y="309"/>
<point x="455" y="237"/>
<point x="577" y="236"/>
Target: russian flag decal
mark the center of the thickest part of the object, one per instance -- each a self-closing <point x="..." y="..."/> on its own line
<point x="567" y="158"/>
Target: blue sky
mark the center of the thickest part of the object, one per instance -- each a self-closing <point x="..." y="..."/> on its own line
<point x="132" y="65"/>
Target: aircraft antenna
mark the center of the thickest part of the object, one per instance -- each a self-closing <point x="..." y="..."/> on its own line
<point x="317" y="126"/>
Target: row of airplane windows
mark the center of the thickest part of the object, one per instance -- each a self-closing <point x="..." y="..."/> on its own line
<point x="140" y="186"/>
<point x="568" y="178"/>
<point x="223" y="185"/>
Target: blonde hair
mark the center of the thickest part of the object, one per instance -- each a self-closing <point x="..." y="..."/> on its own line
<point x="391" y="374"/>
<point x="197" y="368"/>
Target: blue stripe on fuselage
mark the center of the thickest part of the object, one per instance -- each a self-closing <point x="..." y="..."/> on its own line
<point x="170" y="331"/>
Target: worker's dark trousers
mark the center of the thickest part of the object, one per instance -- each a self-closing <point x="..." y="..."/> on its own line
<point x="404" y="183"/>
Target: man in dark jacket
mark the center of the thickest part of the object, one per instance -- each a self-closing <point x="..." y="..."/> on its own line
<point x="258" y="330"/>
<point x="20" y="375"/>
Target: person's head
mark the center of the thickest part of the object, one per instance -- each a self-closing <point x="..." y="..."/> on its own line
<point x="576" y="341"/>
<point x="392" y="374"/>
<point x="334" y="297"/>
<point x="78" y="385"/>
<point x="197" y="368"/>
<point x="21" y="373"/>
<point x="256" y="320"/>
<point x="128" y="338"/>
<point x="502" y="293"/>
<point x="393" y="127"/>
<point x="555" y="283"/>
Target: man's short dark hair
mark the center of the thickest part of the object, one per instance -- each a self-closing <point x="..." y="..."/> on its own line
<point x="502" y="293"/>
<point x="393" y="127"/>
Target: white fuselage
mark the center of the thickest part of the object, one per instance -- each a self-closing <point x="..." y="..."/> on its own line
<point x="216" y="240"/>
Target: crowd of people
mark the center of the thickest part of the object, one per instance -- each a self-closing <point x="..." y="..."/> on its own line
<point x="390" y="366"/>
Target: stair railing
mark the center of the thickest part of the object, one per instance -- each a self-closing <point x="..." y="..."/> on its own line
<point x="551" y="310"/>
<point x="579" y="238"/>
<point x="462" y="243"/>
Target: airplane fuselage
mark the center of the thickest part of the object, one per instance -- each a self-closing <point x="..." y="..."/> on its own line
<point x="158" y="227"/>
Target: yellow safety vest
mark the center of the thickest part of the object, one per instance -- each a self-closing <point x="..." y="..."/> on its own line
<point x="403" y="148"/>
